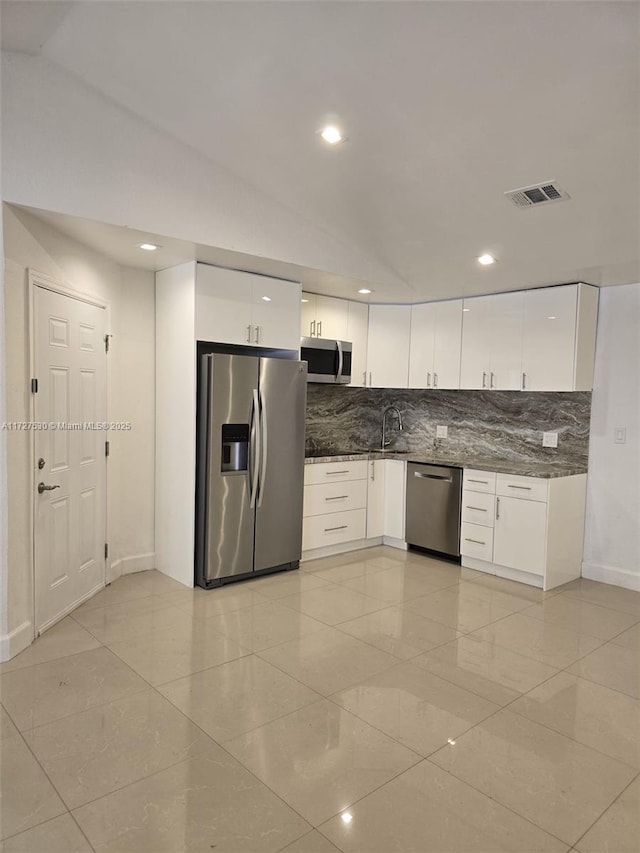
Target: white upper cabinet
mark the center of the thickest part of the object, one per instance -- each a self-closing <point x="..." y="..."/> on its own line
<point x="388" y="346"/>
<point x="492" y="342"/>
<point x="436" y="331"/>
<point x="243" y="308"/>
<point x="324" y="317"/>
<point x="358" y="333"/>
<point x="559" y="333"/>
<point x="534" y="340"/>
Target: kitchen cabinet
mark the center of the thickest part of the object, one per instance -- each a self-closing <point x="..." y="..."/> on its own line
<point x="395" y="477"/>
<point x="358" y="333"/>
<point x="492" y="342"/>
<point x="436" y="340"/>
<point x="235" y="307"/>
<point x="528" y="529"/>
<point x="324" y="317"/>
<point x="534" y="340"/>
<point x="559" y="334"/>
<point x="375" y="499"/>
<point x="335" y="505"/>
<point x="388" y="346"/>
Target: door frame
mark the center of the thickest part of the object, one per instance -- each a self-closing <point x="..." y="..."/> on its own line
<point x="46" y="282"/>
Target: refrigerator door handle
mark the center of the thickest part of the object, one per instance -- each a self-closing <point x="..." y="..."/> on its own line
<point x="255" y="450"/>
<point x="264" y="445"/>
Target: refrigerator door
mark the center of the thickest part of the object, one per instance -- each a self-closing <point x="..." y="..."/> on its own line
<point x="231" y="384"/>
<point x="283" y="396"/>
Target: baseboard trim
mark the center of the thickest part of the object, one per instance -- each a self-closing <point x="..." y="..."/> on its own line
<point x="130" y="565"/>
<point x="392" y="542"/>
<point x="342" y="548"/>
<point x="615" y="577"/>
<point x="16" y="641"/>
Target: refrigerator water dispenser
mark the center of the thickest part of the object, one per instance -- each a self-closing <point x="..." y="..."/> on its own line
<point x="235" y="448"/>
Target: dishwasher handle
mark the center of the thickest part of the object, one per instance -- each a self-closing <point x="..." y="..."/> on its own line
<point x="432" y="477"/>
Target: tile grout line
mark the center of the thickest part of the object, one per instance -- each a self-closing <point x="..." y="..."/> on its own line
<point x="600" y="816"/>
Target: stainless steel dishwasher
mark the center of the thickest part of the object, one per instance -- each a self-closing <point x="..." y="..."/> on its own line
<point x="434" y="497"/>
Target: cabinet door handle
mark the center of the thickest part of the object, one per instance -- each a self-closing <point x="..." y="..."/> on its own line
<point x="248" y="334"/>
<point x="524" y="381"/>
<point x="364" y="378"/>
<point x="475" y="541"/>
<point x="320" y="329"/>
<point x="312" y="328"/>
<point x="370" y="380"/>
<point x="477" y="508"/>
<point x="435" y="380"/>
<point x="373" y="471"/>
<point x="428" y="380"/>
<point x="257" y="334"/>
<point x="484" y="379"/>
<point x="341" y="527"/>
<point x="337" y="498"/>
<point x="491" y="385"/>
<point x="497" y="507"/>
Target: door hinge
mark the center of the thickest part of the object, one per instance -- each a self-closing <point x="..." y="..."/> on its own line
<point x="107" y="338"/>
<point x="34" y="386"/>
<point x="106" y="550"/>
<point x="107" y="448"/>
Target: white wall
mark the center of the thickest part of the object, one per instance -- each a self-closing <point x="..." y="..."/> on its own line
<point x="612" y="533"/>
<point x="28" y="243"/>
<point x="4" y="505"/>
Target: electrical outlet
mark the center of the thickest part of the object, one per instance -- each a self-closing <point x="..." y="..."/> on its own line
<point x="549" y="439"/>
<point x="442" y="431"/>
<point x="620" y="435"/>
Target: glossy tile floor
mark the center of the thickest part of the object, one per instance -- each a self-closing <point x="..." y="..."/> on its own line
<point x="375" y="702"/>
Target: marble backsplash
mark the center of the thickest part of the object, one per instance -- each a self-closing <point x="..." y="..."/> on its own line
<point x="504" y="423"/>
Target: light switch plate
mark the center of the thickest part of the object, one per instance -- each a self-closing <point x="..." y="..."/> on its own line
<point x="442" y="431"/>
<point x="549" y="439"/>
<point x="620" y="435"/>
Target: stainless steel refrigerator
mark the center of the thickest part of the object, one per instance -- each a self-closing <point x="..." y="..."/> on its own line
<point x="250" y="478"/>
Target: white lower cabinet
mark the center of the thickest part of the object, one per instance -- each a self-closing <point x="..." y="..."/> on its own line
<point x="528" y="529"/>
<point x="375" y="498"/>
<point x="348" y="503"/>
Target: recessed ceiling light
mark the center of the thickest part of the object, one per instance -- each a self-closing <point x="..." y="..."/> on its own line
<point x="266" y="299"/>
<point x="304" y="300"/>
<point x="486" y="260"/>
<point x="551" y="317"/>
<point x="466" y="309"/>
<point x="365" y="290"/>
<point x="148" y="247"/>
<point x="332" y="134"/>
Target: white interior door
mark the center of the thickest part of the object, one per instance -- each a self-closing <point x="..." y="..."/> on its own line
<point x="70" y="464"/>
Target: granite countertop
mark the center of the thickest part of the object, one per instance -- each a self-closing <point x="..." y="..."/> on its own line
<point x="526" y="468"/>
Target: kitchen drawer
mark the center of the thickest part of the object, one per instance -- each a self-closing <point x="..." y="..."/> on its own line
<point x="334" y="497"/>
<point x="479" y="481"/>
<point x="478" y="507"/>
<point x="334" y="472"/>
<point x="529" y="488"/>
<point x="476" y="541"/>
<point x="319" y="531"/>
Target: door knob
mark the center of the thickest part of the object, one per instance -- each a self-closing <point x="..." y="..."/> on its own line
<point x="42" y="488"/>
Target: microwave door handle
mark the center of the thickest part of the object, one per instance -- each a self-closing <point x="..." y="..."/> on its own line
<point x="254" y="461"/>
<point x="263" y="450"/>
<point x="340" y="361"/>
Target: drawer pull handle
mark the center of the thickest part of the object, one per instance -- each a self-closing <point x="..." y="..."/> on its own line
<point x="524" y="488"/>
<point x="337" y="498"/>
<point x="341" y="527"/>
<point x="484" y="482"/>
<point x="475" y="541"/>
<point x="333" y="473"/>
<point x="477" y="509"/>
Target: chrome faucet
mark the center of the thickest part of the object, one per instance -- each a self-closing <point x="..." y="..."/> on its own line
<point x="390" y="410"/>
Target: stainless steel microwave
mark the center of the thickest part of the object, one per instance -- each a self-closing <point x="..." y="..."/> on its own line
<point x="329" y="361"/>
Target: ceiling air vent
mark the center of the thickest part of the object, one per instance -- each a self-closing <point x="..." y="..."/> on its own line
<point x="537" y="194"/>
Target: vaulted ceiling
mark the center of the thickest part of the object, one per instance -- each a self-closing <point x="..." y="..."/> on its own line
<point x="446" y="105"/>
